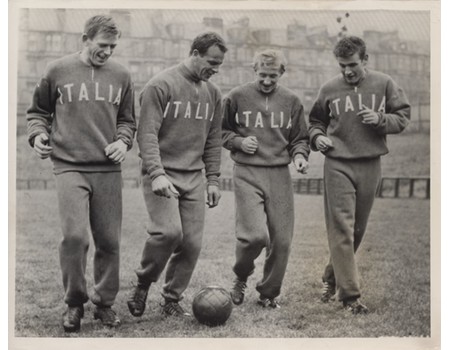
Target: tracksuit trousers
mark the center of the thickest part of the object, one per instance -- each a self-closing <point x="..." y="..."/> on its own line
<point x="175" y="233"/>
<point x="350" y="187"/>
<point x="90" y="199"/>
<point x="264" y="219"/>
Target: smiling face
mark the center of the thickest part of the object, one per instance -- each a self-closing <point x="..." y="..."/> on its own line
<point x="267" y="78"/>
<point x="353" y="68"/>
<point x="206" y="65"/>
<point x="99" y="49"/>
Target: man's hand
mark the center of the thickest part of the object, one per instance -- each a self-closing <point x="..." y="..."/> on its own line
<point x="213" y="193"/>
<point x="369" y="116"/>
<point x="249" y="145"/>
<point x="323" y="143"/>
<point x="41" y="147"/>
<point x="301" y="164"/>
<point x="161" y="186"/>
<point x="116" y="151"/>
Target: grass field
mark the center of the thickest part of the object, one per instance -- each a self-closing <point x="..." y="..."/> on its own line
<point x="394" y="264"/>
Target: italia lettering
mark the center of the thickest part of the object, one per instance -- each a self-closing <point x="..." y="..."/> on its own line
<point x="207" y="110"/>
<point x="197" y="113"/>
<point x="60" y="96"/>
<point x="355" y="103"/>
<point x="177" y="107"/>
<point x="259" y="122"/>
<point x="83" y="93"/>
<point x="348" y="104"/>
<point x="248" y="119"/>
<point x="247" y="116"/>
<point x="117" y="100"/>
<point x="71" y="93"/>
<point x="289" y="124"/>
<point x="382" y="107"/>
<point x="336" y="104"/>
<point x="273" y="124"/>
<point x="97" y="96"/>
<point x="186" y="109"/>
<point x="187" y="113"/>
<point x="166" y="110"/>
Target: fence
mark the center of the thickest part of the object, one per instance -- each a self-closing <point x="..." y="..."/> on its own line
<point x="390" y="187"/>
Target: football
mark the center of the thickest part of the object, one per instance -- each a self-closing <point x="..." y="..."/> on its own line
<point x="212" y="306"/>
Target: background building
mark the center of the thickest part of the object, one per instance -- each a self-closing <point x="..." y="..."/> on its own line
<point x="152" y="40"/>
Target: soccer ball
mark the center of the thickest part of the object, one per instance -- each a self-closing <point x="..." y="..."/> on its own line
<point x="212" y="306"/>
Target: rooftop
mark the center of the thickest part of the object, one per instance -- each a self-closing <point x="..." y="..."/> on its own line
<point x="410" y="25"/>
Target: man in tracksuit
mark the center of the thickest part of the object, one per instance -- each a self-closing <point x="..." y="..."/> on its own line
<point x="179" y="135"/>
<point x="264" y="128"/>
<point x="82" y="117"/>
<point x="349" y="122"/>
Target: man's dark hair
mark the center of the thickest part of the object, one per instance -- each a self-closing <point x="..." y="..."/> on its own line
<point x="350" y="45"/>
<point x="204" y="41"/>
<point x="100" y="24"/>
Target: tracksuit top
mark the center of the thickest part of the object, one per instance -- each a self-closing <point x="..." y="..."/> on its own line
<point x="180" y="124"/>
<point x="276" y="119"/>
<point x="334" y="115"/>
<point x="83" y="109"/>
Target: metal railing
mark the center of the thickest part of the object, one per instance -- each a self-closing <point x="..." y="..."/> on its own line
<point x="390" y="187"/>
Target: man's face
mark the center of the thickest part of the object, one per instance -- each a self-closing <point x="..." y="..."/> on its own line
<point x="267" y="78"/>
<point x="207" y="65"/>
<point x="100" y="48"/>
<point x="352" y="68"/>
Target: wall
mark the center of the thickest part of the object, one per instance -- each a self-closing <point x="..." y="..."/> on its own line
<point x="151" y="43"/>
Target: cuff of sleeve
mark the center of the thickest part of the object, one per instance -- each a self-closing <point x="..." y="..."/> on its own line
<point x="237" y="143"/>
<point x="155" y="173"/>
<point x="313" y="137"/>
<point x="380" y="121"/>
<point x="213" y="180"/>
<point x="126" y="141"/>
<point x="32" y="136"/>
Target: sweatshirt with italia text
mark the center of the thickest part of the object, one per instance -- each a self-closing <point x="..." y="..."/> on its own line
<point x="275" y="119"/>
<point x="180" y="124"/>
<point x="334" y="114"/>
<point x="82" y="109"/>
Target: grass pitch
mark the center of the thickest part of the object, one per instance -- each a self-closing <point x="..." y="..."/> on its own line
<point x="394" y="264"/>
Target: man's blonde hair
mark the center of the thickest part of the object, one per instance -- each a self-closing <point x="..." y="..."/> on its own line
<point x="270" y="58"/>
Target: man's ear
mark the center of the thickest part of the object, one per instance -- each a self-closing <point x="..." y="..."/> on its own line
<point x="365" y="59"/>
<point x="84" y="38"/>
<point x="195" y="53"/>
